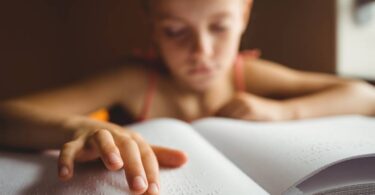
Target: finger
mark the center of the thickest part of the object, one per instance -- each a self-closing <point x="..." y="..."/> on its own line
<point x="66" y="159"/>
<point x="240" y="112"/>
<point x="236" y="110"/>
<point x="150" y="164"/>
<point x="225" y="110"/>
<point x="244" y="113"/>
<point x="169" y="157"/>
<point x="134" y="170"/>
<point x="252" y="117"/>
<point x="109" y="153"/>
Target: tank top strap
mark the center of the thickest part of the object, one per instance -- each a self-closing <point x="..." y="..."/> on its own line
<point x="149" y="97"/>
<point x="239" y="66"/>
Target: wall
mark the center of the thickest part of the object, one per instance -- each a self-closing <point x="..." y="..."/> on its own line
<point x="32" y="48"/>
<point x="47" y="43"/>
<point x="296" y="33"/>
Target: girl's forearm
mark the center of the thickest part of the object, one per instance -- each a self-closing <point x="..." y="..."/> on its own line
<point x="25" y="126"/>
<point x="351" y="98"/>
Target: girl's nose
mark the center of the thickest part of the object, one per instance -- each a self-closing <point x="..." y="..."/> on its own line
<point x="202" y="46"/>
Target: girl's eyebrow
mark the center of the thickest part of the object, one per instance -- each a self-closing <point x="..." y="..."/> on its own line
<point x="222" y="15"/>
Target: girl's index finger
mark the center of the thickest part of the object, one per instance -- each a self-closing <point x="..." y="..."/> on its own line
<point x="108" y="150"/>
<point x="134" y="170"/>
<point x="150" y="164"/>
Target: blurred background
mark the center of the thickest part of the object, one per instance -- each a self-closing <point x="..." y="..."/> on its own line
<point x="49" y="43"/>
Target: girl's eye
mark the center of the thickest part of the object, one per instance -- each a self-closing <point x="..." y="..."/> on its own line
<point x="218" y="28"/>
<point x="175" y="33"/>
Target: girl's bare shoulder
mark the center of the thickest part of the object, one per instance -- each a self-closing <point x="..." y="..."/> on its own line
<point x="131" y="77"/>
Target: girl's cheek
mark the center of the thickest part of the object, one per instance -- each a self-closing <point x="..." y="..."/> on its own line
<point x="172" y="45"/>
<point x="226" y="52"/>
<point x="224" y="46"/>
<point x="176" y="51"/>
<point x="173" y="55"/>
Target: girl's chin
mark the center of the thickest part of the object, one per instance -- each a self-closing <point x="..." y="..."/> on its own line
<point x="201" y="86"/>
<point x="199" y="89"/>
<point x="198" y="84"/>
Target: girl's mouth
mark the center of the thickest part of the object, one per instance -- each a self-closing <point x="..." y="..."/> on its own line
<point x="201" y="70"/>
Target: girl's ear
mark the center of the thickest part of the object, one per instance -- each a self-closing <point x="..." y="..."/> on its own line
<point x="248" y="4"/>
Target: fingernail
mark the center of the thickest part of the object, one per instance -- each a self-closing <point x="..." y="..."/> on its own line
<point x="153" y="189"/>
<point x="139" y="183"/>
<point x="64" y="171"/>
<point x="114" y="158"/>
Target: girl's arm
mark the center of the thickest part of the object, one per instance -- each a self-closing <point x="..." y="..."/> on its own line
<point x="88" y="95"/>
<point x="54" y="107"/>
<point x="53" y="120"/>
<point x="307" y="94"/>
<point x="354" y="97"/>
<point x="278" y="93"/>
<point x="29" y="127"/>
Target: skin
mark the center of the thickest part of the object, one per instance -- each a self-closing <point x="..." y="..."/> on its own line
<point x="198" y="40"/>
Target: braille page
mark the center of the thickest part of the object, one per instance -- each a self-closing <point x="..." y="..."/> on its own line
<point x="280" y="155"/>
<point x="207" y="172"/>
<point x="27" y="173"/>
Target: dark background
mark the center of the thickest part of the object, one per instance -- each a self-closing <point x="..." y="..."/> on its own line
<point x="49" y="43"/>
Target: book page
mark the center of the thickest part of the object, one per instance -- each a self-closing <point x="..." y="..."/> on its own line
<point x="280" y="155"/>
<point x="356" y="176"/>
<point x="207" y="172"/>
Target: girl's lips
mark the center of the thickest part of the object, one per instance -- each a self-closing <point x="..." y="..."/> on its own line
<point x="200" y="70"/>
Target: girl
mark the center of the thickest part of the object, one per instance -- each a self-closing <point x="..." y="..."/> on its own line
<point x="198" y="73"/>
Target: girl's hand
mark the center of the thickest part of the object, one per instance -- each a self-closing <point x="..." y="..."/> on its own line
<point x="117" y="148"/>
<point x="247" y="106"/>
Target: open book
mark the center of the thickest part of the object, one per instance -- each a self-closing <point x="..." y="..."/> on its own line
<point x="333" y="155"/>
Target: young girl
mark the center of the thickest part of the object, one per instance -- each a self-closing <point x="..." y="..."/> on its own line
<point x="198" y="73"/>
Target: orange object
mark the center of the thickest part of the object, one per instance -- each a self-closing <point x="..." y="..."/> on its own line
<point x="101" y="115"/>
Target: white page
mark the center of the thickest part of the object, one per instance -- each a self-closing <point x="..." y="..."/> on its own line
<point x="355" y="172"/>
<point x="206" y="173"/>
<point x="279" y="155"/>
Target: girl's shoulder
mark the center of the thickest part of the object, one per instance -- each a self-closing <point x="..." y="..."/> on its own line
<point x="141" y="64"/>
<point x="250" y="53"/>
<point x="134" y="77"/>
<point x="249" y="58"/>
<point x="254" y="63"/>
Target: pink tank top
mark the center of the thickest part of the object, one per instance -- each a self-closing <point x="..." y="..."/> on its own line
<point x="239" y="80"/>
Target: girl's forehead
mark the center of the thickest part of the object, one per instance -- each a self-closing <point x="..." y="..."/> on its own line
<point x="198" y="9"/>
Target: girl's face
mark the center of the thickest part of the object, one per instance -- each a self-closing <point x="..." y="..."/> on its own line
<point x="199" y="39"/>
